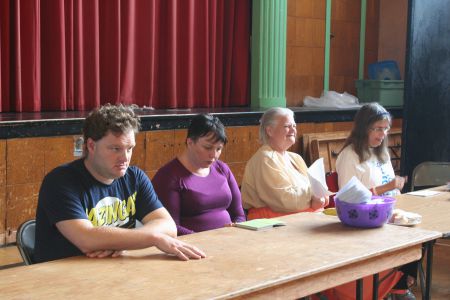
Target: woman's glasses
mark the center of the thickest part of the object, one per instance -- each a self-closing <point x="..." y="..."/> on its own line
<point x="380" y="129"/>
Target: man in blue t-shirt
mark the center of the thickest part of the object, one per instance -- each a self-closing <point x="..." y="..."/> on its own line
<point x="90" y="206"/>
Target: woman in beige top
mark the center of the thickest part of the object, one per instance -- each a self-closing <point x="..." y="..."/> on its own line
<point x="275" y="181"/>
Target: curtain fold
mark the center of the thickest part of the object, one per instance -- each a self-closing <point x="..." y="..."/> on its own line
<point x="58" y="55"/>
<point x="5" y="81"/>
<point x="26" y="80"/>
<point x="55" y="67"/>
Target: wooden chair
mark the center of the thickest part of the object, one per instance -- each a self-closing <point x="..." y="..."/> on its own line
<point x="328" y="145"/>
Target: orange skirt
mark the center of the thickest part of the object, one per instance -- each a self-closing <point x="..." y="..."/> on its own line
<point x="267" y="213"/>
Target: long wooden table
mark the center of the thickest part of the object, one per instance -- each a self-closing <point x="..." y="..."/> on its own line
<point x="312" y="253"/>
<point x="435" y="210"/>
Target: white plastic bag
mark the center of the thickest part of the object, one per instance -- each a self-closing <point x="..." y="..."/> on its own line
<point x="332" y="99"/>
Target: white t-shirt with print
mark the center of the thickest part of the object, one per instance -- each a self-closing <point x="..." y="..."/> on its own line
<point x="371" y="173"/>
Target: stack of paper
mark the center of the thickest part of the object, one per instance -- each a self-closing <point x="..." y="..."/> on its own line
<point x="259" y="224"/>
<point x="424" y="193"/>
<point x="354" y="192"/>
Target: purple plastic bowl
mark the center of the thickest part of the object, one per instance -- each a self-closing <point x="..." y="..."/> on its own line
<point x="365" y="215"/>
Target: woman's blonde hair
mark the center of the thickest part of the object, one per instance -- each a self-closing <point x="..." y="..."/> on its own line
<point x="269" y="119"/>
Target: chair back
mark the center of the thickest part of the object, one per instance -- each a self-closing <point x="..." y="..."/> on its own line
<point x="429" y="174"/>
<point x="25" y="241"/>
<point x="331" y="179"/>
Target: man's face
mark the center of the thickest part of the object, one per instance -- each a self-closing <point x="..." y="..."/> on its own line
<point x="109" y="157"/>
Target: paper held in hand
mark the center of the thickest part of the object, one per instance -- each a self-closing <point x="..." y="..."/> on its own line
<point x="316" y="174"/>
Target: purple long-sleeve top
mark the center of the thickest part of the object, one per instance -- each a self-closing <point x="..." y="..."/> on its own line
<point x="199" y="203"/>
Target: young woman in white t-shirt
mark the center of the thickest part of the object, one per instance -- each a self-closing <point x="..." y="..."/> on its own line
<point x="365" y="153"/>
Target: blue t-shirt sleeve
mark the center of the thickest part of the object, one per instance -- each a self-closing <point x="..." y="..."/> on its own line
<point x="59" y="197"/>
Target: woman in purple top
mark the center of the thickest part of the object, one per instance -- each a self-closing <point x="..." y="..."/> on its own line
<point x="198" y="189"/>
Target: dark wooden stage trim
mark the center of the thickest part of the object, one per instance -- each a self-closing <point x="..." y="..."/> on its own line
<point x="18" y="125"/>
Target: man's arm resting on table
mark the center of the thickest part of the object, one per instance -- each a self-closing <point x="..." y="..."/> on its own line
<point x="159" y="230"/>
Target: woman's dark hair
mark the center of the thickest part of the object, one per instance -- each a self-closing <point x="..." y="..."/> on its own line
<point x="204" y="124"/>
<point x="359" y="137"/>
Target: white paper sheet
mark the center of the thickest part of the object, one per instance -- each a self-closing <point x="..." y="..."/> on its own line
<point x="316" y="174"/>
<point x="354" y="192"/>
<point x="424" y="193"/>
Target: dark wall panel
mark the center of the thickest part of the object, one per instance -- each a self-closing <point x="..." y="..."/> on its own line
<point x="426" y="123"/>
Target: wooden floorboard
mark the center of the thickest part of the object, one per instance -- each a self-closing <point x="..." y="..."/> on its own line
<point x="10" y="257"/>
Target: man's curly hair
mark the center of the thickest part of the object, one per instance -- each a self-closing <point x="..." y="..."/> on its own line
<point x="115" y="118"/>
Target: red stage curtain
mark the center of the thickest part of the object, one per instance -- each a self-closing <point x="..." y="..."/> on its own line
<point x="58" y="55"/>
